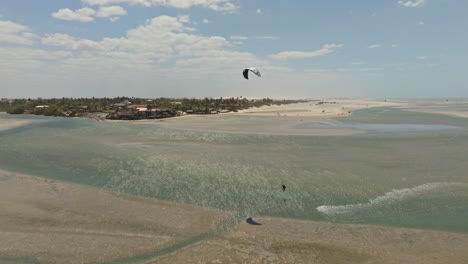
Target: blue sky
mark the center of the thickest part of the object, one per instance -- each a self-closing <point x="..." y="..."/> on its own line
<point x="186" y="48"/>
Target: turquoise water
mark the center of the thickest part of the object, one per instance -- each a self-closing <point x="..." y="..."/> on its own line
<point x="393" y="121"/>
<point x="403" y="179"/>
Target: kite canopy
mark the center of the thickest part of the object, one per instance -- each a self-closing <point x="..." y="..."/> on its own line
<point x="252" y="69"/>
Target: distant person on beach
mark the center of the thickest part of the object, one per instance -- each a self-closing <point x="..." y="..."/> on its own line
<point x="284" y="187"/>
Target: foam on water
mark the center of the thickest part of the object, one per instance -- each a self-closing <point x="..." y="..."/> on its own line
<point x="394" y="196"/>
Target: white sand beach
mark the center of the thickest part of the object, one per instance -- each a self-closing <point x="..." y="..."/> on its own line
<point x="317" y="108"/>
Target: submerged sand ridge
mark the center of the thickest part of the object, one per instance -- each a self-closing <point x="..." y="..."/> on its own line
<point x="6" y="124"/>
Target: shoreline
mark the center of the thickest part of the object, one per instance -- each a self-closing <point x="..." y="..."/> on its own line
<point x="271" y="120"/>
<point x="65" y="220"/>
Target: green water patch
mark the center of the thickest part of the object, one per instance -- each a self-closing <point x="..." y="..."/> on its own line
<point x="385" y="115"/>
<point x="393" y="121"/>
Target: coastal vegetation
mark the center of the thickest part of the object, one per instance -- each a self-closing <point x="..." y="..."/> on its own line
<point x="131" y="107"/>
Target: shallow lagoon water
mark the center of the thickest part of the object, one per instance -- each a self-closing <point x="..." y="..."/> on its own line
<point x="383" y="128"/>
<point x="413" y="180"/>
<point x="393" y="121"/>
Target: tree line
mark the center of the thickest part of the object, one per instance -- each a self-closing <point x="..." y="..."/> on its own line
<point x="81" y="106"/>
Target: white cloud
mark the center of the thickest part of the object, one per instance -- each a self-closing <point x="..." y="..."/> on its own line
<point x="325" y="50"/>
<point x="205" y="21"/>
<point x="239" y="38"/>
<point x="160" y="38"/>
<point x="7" y="53"/>
<point x="82" y="15"/>
<point x="422" y="57"/>
<point x="87" y="14"/>
<point x="64" y="40"/>
<point x="394" y="45"/>
<point x="415" y="3"/>
<point x="375" y="46"/>
<point x="421" y="23"/>
<point x="332" y="46"/>
<point x="259" y="11"/>
<point x="165" y="50"/>
<point x="14" y="33"/>
<point x="111" y="11"/>
<point x="113" y="19"/>
<point x="216" y="5"/>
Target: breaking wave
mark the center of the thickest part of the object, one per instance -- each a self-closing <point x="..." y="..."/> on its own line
<point x="394" y="196"/>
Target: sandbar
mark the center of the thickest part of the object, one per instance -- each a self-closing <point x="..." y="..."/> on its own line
<point x="55" y="222"/>
<point x="276" y="119"/>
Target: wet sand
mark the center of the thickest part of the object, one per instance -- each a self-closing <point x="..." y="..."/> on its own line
<point x="294" y="241"/>
<point x="55" y="222"/>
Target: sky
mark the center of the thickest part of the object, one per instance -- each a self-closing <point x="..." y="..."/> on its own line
<point x="198" y="48"/>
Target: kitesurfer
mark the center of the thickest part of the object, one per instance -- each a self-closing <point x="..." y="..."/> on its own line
<point x="245" y="72"/>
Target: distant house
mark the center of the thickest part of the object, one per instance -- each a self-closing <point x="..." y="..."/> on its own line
<point x="126" y="116"/>
<point x="137" y="106"/>
<point x="41" y="106"/>
<point x="119" y="106"/>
